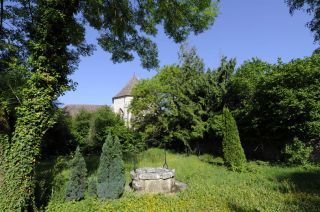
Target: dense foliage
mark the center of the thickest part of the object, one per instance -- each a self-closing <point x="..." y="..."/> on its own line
<point x="180" y="105"/>
<point x="111" y="172"/>
<point x="77" y="183"/>
<point x="212" y="187"/>
<point x="272" y="104"/>
<point x="59" y="139"/>
<point x="233" y="153"/>
<point x="90" y="130"/>
<point x="297" y="153"/>
<point x="44" y="39"/>
<point x="275" y="104"/>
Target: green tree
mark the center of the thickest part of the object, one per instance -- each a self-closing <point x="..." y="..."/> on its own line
<point x="111" y="172"/>
<point x="48" y="62"/>
<point x="48" y="37"/>
<point x="289" y="98"/>
<point x="275" y="103"/>
<point x="233" y="153"/>
<point x="241" y="99"/>
<point x="90" y="129"/>
<point x="77" y="183"/>
<point x="181" y="104"/>
<point x="167" y="107"/>
<point x="80" y="127"/>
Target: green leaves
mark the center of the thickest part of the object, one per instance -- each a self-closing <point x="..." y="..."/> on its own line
<point x="233" y="153"/>
<point x="178" y="104"/>
<point x="275" y="103"/>
<point x="126" y="26"/>
<point x="297" y="153"/>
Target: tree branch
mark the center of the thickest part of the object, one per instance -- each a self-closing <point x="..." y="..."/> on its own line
<point x="14" y="93"/>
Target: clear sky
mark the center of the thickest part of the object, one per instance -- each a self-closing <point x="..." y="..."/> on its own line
<point x="244" y="29"/>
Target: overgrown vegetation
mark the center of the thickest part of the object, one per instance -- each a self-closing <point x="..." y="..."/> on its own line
<point x="43" y="40"/>
<point x="298" y="153"/>
<point x="180" y="108"/>
<point x="90" y="130"/>
<point x="180" y="104"/>
<point x="211" y="187"/>
<point x="272" y="103"/>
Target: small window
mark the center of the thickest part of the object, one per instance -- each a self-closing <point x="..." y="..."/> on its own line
<point x="121" y="113"/>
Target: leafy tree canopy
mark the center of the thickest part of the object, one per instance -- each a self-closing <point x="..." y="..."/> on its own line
<point x="181" y="101"/>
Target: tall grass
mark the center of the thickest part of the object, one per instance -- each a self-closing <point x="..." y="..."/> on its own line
<point x="211" y="187"/>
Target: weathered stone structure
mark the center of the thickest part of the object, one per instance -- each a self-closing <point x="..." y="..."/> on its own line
<point x="153" y="180"/>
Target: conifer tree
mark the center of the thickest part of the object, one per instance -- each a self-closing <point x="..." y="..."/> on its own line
<point x="110" y="177"/>
<point x="77" y="184"/>
<point x="233" y="153"/>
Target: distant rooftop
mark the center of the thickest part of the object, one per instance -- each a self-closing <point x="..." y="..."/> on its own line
<point x="127" y="90"/>
<point x="73" y="110"/>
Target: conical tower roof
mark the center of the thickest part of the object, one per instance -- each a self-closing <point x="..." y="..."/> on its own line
<point x="126" y="91"/>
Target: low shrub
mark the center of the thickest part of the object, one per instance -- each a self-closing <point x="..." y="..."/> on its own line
<point x="297" y="153"/>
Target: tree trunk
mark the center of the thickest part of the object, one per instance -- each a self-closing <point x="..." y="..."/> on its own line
<point x="34" y="118"/>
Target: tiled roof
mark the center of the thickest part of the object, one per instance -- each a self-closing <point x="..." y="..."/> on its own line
<point x="126" y="91"/>
<point x="73" y="110"/>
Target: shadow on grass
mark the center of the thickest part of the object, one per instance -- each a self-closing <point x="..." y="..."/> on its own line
<point x="303" y="189"/>
<point x="44" y="177"/>
<point x="48" y="169"/>
<point x="234" y="207"/>
<point x="306" y="181"/>
<point x="217" y="161"/>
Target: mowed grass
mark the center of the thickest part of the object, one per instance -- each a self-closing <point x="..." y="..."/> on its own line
<point x="211" y="187"/>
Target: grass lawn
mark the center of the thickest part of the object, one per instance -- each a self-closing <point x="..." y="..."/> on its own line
<point x="211" y="187"/>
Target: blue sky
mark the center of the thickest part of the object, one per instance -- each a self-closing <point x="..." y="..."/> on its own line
<point x="244" y="29"/>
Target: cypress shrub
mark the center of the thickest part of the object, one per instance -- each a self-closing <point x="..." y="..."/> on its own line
<point x="233" y="153"/>
<point x="77" y="184"/>
<point x="111" y="173"/>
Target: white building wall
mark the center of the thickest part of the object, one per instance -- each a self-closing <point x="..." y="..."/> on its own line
<point x="121" y="107"/>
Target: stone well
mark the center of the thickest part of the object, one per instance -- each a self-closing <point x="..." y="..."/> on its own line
<point x="153" y="180"/>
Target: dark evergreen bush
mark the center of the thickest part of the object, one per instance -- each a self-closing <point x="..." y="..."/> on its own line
<point x="110" y="177"/>
<point x="233" y="153"/>
<point x="77" y="184"/>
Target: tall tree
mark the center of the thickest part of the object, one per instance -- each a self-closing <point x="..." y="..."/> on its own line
<point x="180" y="103"/>
<point x="45" y="39"/>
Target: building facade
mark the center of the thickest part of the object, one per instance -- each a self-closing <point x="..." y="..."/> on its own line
<point x="121" y="101"/>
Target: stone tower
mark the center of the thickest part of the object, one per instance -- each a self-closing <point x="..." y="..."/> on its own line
<point x="121" y="101"/>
